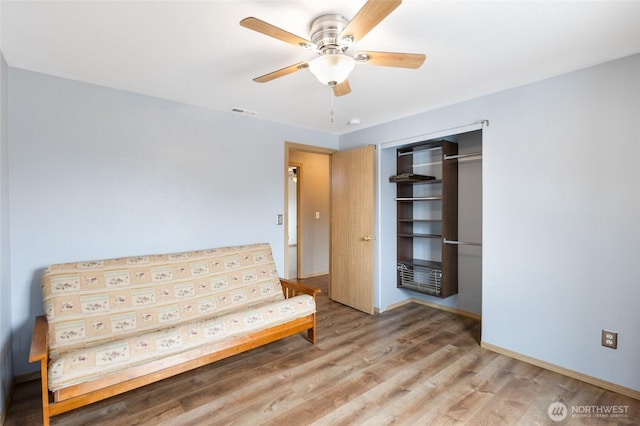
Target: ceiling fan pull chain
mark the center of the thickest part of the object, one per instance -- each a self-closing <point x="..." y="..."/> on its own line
<point x="332" y="112"/>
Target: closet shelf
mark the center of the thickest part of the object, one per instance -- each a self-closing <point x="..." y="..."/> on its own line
<point x="411" y="178"/>
<point x="436" y="273"/>
<point x="411" y="199"/>
<point x="413" y="235"/>
<point x="420" y="182"/>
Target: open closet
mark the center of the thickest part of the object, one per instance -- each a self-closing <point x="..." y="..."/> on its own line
<point x="438" y="220"/>
<point x="427" y="217"/>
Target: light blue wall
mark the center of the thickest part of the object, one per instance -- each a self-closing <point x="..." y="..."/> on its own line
<point x="98" y="173"/>
<point x="6" y="364"/>
<point x="561" y="202"/>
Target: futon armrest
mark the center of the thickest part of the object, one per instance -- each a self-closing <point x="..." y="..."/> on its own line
<point x="291" y="289"/>
<point x="39" y="348"/>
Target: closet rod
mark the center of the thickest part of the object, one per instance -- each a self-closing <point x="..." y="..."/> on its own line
<point x="471" y="154"/>
<point x="434" y="163"/>
<point x="461" y="243"/>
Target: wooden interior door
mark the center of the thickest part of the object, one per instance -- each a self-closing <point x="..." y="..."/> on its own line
<point x="352" y="227"/>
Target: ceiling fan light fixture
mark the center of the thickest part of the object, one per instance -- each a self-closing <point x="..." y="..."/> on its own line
<point x="332" y="69"/>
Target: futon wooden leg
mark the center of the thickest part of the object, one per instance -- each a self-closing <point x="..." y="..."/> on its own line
<point x="45" y="392"/>
<point x="311" y="335"/>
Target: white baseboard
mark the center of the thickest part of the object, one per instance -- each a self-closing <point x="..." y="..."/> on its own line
<point x="434" y="305"/>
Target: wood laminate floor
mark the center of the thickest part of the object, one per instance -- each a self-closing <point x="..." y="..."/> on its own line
<point x="414" y="365"/>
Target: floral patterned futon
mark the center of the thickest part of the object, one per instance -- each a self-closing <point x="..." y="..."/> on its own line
<point x="108" y="315"/>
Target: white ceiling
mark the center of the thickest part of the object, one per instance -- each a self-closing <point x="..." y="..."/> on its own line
<point x="197" y="53"/>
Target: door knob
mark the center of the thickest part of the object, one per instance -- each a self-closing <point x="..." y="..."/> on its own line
<point x="368" y="238"/>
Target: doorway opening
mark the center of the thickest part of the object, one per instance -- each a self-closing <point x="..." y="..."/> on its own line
<point x="307" y="210"/>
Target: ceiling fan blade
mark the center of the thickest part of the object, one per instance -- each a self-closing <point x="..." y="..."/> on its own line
<point x="265" y="28"/>
<point x="391" y="59"/>
<point x="281" y="72"/>
<point x="371" y="14"/>
<point x="342" y="89"/>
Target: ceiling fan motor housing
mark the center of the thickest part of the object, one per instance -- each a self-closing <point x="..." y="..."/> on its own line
<point x="325" y="33"/>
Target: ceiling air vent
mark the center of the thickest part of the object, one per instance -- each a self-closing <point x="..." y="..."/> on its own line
<point x="243" y="111"/>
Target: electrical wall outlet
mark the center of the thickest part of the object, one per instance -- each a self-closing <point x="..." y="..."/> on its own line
<point x="610" y="339"/>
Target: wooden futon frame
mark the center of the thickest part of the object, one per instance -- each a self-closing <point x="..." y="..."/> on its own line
<point x="86" y="393"/>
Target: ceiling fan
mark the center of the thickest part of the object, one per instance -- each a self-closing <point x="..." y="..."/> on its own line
<point x="331" y="36"/>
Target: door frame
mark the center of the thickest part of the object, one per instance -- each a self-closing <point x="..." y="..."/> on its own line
<point x="298" y="167"/>
<point x="288" y="147"/>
